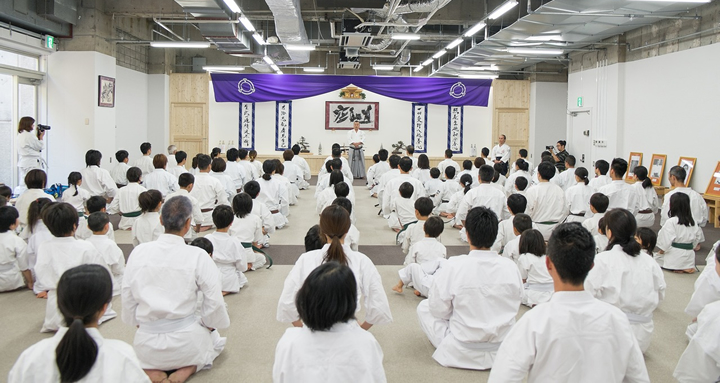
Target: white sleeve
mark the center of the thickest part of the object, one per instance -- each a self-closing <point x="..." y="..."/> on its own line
<point x="695" y="365"/>
<point x="129" y="304"/>
<point x="240" y="259"/>
<point x="516" y="355"/>
<point x="665" y="237"/>
<point x="377" y="308"/>
<point x="464" y="207"/>
<point x="213" y="311"/>
<point x="286" y="310"/>
<point x="506" y="156"/>
<point x="108" y="184"/>
<point x="440" y="297"/>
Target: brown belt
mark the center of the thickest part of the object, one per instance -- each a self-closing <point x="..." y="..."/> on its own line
<point x="207" y="210"/>
<point x="274" y="211"/>
<point x="646" y="211"/>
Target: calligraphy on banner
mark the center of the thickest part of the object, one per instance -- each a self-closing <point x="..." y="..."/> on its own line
<point x="419" y="127"/>
<point x="247" y="125"/>
<point x="455" y="129"/>
<point x="283" y="125"/>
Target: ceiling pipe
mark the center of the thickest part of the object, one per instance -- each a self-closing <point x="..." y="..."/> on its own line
<point x="673" y="39"/>
<point x="165" y="27"/>
<point x="594" y="14"/>
<point x="163" y="35"/>
<point x="196" y="21"/>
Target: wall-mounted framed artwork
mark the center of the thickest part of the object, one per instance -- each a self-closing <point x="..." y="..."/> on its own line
<point x="106" y="92"/>
<point x="341" y="115"/>
<point x="657" y="168"/>
<point x="687" y="163"/>
<point x="714" y="185"/>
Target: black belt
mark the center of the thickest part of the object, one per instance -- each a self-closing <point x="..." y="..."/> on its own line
<point x="581" y="214"/>
<point x="646" y="211"/>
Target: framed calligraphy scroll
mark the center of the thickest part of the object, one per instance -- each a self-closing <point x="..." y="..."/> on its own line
<point x="247" y="125"/>
<point x="455" y="129"/>
<point x="341" y="115"/>
<point x="283" y="125"/>
<point x="419" y="127"/>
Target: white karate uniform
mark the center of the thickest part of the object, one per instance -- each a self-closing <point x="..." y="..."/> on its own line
<point x="228" y="255"/>
<point x="565" y="179"/>
<point x="510" y="182"/>
<point x="434" y="187"/>
<point x="304" y="169"/>
<point x="77" y="201"/>
<point x="448" y="162"/>
<point x="578" y="199"/>
<point x="291" y="191"/>
<point x="484" y="195"/>
<point x="40" y="235"/>
<point x="621" y="195"/>
<point x="392" y="191"/>
<point x="345" y="168"/>
<point x="647" y="200"/>
<point x="294" y="174"/>
<point x="119" y="173"/>
<point x="84" y="232"/>
<point x="197" y="215"/>
<point x="538" y="282"/>
<point x="159" y="294"/>
<point x="227" y="183"/>
<point x="381" y="168"/>
<point x="147" y="228"/>
<point x="530" y="167"/>
<point x="462" y="320"/>
<point x="673" y="232"/>
<point x="423" y="175"/>
<point x="326" y="198"/>
<point x="425" y="250"/>
<point x="274" y="195"/>
<point x="114" y="258"/>
<point x="546" y="203"/>
<point x="450" y="188"/>
<point x="701" y="360"/>
<point x="452" y="206"/>
<point x="601" y="243"/>
<point x="512" y="249"/>
<point x="635" y="285"/>
<point x="248" y="230"/>
<point x="707" y="290"/>
<point x="369" y="285"/>
<point x="162" y="181"/>
<point x="370" y="176"/>
<point x="506" y="233"/>
<point x="127" y="202"/>
<point x="599" y="181"/>
<point x="209" y="193"/>
<point x="302" y="355"/>
<point x="268" y="222"/>
<point x="145" y="163"/>
<point x="171" y="161"/>
<point x="414" y="233"/>
<point x="697" y="205"/>
<point x="177" y="170"/>
<point x="237" y="174"/>
<point x="500" y="181"/>
<point x="22" y="204"/>
<point x="98" y="181"/>
<point x="115" y="362"/>
<point x="353" y="237"/>
<point x="421" y="276"/>
<point x="536" y="179"/>
<point x="12" y="256"/>
<point x="502" y="151"/>
<point x="572" y="338"/>
<point x="591" y="224"/>
<point x="384" y="179"/>
<point x="250" y="170"/>
<point x="55" y="257"/>
<point x="403" y="212"/>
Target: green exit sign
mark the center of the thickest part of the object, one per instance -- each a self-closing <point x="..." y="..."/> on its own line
<point x="50" y="42"/>
<point x="579" y="101"/>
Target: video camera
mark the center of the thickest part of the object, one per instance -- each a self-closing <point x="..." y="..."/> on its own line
<point x="42" y="128"/>
<point x="550" y="147"/>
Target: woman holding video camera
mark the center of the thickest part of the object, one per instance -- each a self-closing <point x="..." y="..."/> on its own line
<point x="29" y="147"/>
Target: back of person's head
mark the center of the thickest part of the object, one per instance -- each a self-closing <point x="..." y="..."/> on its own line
<point x="185" y="180"/>
<point x="313" y="239"/>
<point x="288" y="155"/>
<point x="204" y="244"/>
<point x="121" y="155"/>
<point x="547" y="158"/>
<point x="523" y="153"/>
<point x="448" y="153"/>
<point x="61" y="219"/>
<point x="295" y="149"/>
<point x="203" y="161"/>
<point x="242" y="205"/>
<point x="268" y="169"/>
<point x="95" y="203"/>
<point x="546" y="170"/>
<point x="532" y="242"/>
<point x="647" y="239"/>
<point x="433" y="227"/>
<point x="406" y="190"/>
<point x="83" y="293"/>
<point x="571" y="250"/>
<point x="194" y="163"/>
<point x="680" y="208"/>
<point x="496" y="175"/>
<point x="521" y="183"/>
<point x="336" y="176"/>
<point x="394" y="161"/>
<point x="486" y="173"/>
<point x="336" y="163"/>
<point x="570" y="161"/>
<point x="252" y="154"/>
<point x="405" y="164"/>
<point x="180" y="156"/>
<point x="522" y="222"/>
<point x="36" y="210"/>
<point x="3" y="200"/>
<point x="467" y="165"/>
<point x="619" y="167"/>
<point x="223" y="216"/>
<point x="522" y="164"/>
<point x="450" y="172"/>
<point x="279" y="167"/>
<point x="336" y="152"/>
<point x="424" y="206"/>
<point x="145" y="148"/>
<point x="175" y="214"/>
<point x="376" y="158"/>
<point x="622" y="226"/>
<point x="481" y="225"/>
<point x="466" y="181"/>
<point x="93" y="157"/>
<point x="479" y="161"/>
<point x="215" y="152"/>
<point x="159" y="161"/>
<point x="134" y="174"/>
<point x="8" y="217"/>
<point x="344" y="203"/>
<point x="601" y="225"/>
<point x="218" y="165"/>
<point x="242" y="153"/>
<point x="423" y="161"/>
<point x="600" y="202"/>
<point x="328" y="166"/>
<point x="252" y="188"/>
<point x="335" y="223"/>
<point x="498" y="167"/>
<point x="678" y="172"/>
<point x="517" y="203"/>
<point x="328" y="296"/>
<point x="602" y="166"/>
<point x="383" y="154"/>
<point x="6" y="191"/>
<point x="232" y="154"/>
<point x="149" y="200"/>
<point x="172" y="149"/>
<point x="641" y="173"/>
<point x="582" y="173"/>
<point x="342" y="189"/>
<point x="435" y="173"/>
<point x="73" y="179"/>
<point x="410" y="149"/>
<point x="335" y="146"/>
<point x="97" y="221"/>
<point x="36" y="179"/>
<point x="485" y="151"/>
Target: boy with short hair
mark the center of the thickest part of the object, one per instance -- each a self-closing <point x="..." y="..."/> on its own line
<point x="523" y="155"/>
<point x="145" y="163"/>
<point x="208" y="191"/>
<point x="434" y="186"/>
<point x="521" y="222"/>
<point x="600" y="236"/>
<point x="403" y="208"/>
<point x="12" y="253"/>
<point x="620" y="193"/>
<point x="429" y="247"/>
<point x="566" y="179"/>
<point x="119" y="172"/>
<point x="450" y="187"/>
<point x="485" y="194"/>
<point x="186" y="182"/>
<point x="227" y="251"/>
<point x="546" y="201"/>
<point x="447" y="162"/>
<point x="99" y="223"/>
<point x="93" y="205"/>
<point x="601" y="179"/>
<point x="424" y="259"/>
<point x="382" y="167"/>
<point x="261" y="210"/>
<point x="179" y="168"/>
<point x="126" y="202"/>
<point x="516" y="204"/>
<point x="394" y="162"/>
<point x="371" y="171"/>
<point x="521" y="184"/>
<point x="598" y="206"/>
<point x="415" y="232"/>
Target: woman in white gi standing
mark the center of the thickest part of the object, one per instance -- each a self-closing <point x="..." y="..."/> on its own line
<point x="648" y="202"/>
<point x="29" y="147"/>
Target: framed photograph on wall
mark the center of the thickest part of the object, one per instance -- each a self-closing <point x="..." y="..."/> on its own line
<point x="657" y="168"/>
<point x="634" y="161"/>
<point x="714" y="185"/>
<point x="106" y="91"/>
<point x="687" y="163"/>
<point x="341" y="115"/>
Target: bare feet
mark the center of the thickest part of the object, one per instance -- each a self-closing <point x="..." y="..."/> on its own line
<point x="398" y="288"/>
<point x="42" y="295"/>
<point x="459" y="227"/>
<point x="450" y="216"/>
<point x="249" y="266"/>
<point x="397" y="230"/>
<point x="182" y="374"/>
<point x="417" y="293"/>
<point x="156" y="376"/>
<point x="225" y="293"/>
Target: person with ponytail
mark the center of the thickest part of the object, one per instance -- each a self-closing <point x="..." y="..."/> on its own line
<point x="36" y="181"/>
<point x="521" y="169"/>
<point x="273" y="194"/>
<point x="78" y="352"/>
<point x="38" y="234"/>
<point x="648" y="201"/>
<point x="679" y="237"/>
<point x="625" y="278"/>
<point x="74" y="195"/>
<point x="334" y="226"/>
<point x="148" y="227"/>
<point x="578" y="197"/>
<point x="464" y="185"/>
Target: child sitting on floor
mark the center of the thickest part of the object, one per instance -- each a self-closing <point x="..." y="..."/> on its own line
<point x="516" y="204"/>
<point x="93" y="205"/>
<point x="415" y="231"/>
<point x="647" y="239"/>
<point x="429" y="247"/>
<point x="228" y="252"/>
<point x="521" y="223"/>
<point x="147" y="227"/>
<point x="247" y="228"/>
<point x="12" y="253"/>
<point x="99" y="223"/>
<point x="353" y="235"/>
<point x="403" y="209"/>
<point x="533" y="270"/>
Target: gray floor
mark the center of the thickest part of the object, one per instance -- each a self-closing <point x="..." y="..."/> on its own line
<point x="254" y="332"/>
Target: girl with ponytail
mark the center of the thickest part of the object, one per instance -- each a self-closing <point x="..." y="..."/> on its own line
<point x="273" y="194"/>
<point x="522" y="169"/>
<point x="632" y="283"/>
<point x="78" y="353"/>
<point x="334" y="226"/>
<point x="74" y="195"/>
<point x="648" y="199"/>
<point x="578" y="197"/>
<point x="679" y="237"/>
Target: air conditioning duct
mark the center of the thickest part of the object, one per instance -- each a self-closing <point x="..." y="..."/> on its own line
<point x="290" y="28"/>
<point x="62" y="11"/>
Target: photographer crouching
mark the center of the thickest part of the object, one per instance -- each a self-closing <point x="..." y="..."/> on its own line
<point x="560" y="156"/>
<point x="29" y="147"/>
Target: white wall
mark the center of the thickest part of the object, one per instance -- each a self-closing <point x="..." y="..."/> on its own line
<point x="308" y="120"/>
<point x="158" y="118"/>
<point x="131" y="103"/>
<point x="548" y="116"/>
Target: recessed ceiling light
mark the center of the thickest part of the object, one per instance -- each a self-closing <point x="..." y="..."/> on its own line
<point x="246" y="22"/>
<point x="258" y="38"/>
<point x="427" y="62"/>
<point x="299" y="47"/>
<point x="223" y="68"/>
<point x="480" y="76"/>
<point x="232" y="5"/>
<point x="383" y="67"/>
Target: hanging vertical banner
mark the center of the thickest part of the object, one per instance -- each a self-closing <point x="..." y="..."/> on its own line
<point x="247" y="125"/>
<point x="283" y="125"/>
<point x="455" y="128"/>
<point x="419" y="127"/>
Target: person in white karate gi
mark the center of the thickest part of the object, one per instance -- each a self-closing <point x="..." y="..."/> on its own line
<point x="501" y="154"/>
<point x="78" y="352"/>
<point x="29" y="146"/>
<point x="485" y="194"/>
<point x="598" y="206"/>
<point x="573" y="337"/>
<point x="97" y="180"/>
<point x="620" y="193"/>
<point x="228" y="252"/>
<point x="331" y="346"/>
<point x="461" y="318"/>
<point x="521" y="169"/>
<point x="159" y="296"/>
<point x="626" y="278"/>
<point x="180" y="161"/>
<point x="334" y="226"/>
<point x="415" y="232"/>
<point x="546" y="203"/>
<point x="148" y="227"/>
<point x="390" y="191"/>
<point x="679" y="236"/>
<point x="344" y="165"/>
<point x="127" y="203"/>
<point x="293" y="173"/>
<point x="707" y="290"/>
<point x="523" y="153"/>
<point x="273" y="194"/>
<point x="421" y="168"/>
<point x="429" y="247"/>
<point x="160" y="179"/>
<point x="38" y="234"/>
<point x="578" y="196"/>
<point x="648" y="203"/>
<point x="566" y="178"/>
<point x="356" y="154"/>
<point x="382" y="167"/>
<point x="304" y="168"/>
<point x="208" y="191"/>
<point x="99" y="224"/>
<point x="235" y="170"/>
<point x="448" y="161"/>
<point x="35" y="181"/>
<point x="533" y="268"/>
<point x="145" y="163"/>
<point x="699" y="207"/>
<point x="601" y="178"/>
<point x="13" y="259"/>
<point x="119" y="171"/>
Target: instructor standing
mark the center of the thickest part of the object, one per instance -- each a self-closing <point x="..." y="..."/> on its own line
<point x="501" y="153"/>
<point x="29" y="147"/>
<point x="356" y="154"/>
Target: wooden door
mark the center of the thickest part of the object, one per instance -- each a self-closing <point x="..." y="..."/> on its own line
<point x="511" y="114"/>
<point x="189" y="103"/>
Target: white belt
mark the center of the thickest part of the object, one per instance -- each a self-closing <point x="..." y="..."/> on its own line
<point x="635" y="318"/>
<point x="540" y="286"/>
<point x="162" y="326"/>
<point x="7" y="267"/>
<point x="482" y="346"/>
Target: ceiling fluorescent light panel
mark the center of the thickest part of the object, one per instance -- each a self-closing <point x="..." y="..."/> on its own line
<point x="258" y="38"/>
<point x="427" y="62"/>
<point x="180" y="44"/>
<point x="475" y="29"/>
<point x="418" y="68"/>
<point x="226" y="68"/>
<point x="268" y="60"/>
<point x="501" y="10"/>
<point x="454" y="43"/>
<point x="383" y="67"/>
<point x="439" y="54"/>
<point x="535" y="51"/>
<point x="299" y="47"/>
<point x="247" y="24"/>
<point x="232" y="5"/>
<point x="405" y="36"/>
<point x="314" y="70"/>
<point x="480" y="76"/>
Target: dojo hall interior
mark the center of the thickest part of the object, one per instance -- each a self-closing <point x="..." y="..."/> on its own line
<point x="612" y="78"/>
